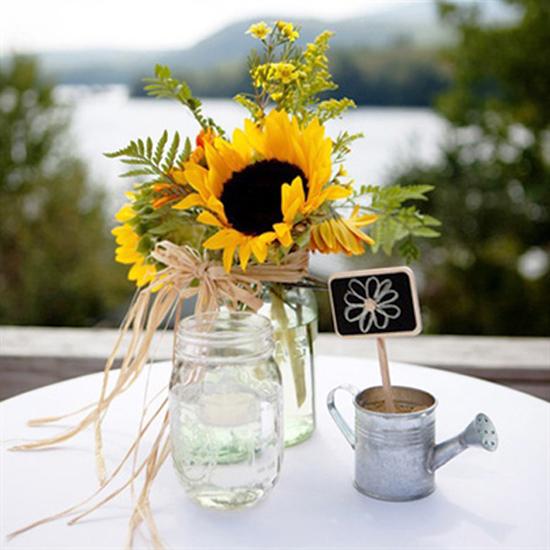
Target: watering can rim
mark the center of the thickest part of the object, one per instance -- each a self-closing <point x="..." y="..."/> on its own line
<point x="412" y="414"/>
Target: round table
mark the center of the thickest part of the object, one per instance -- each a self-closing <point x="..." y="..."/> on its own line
<point x="483" y="500"/>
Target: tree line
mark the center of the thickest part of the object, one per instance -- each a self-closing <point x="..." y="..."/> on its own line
<point x="398" y="76"/>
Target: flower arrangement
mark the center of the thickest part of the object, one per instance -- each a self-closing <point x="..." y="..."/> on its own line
<point x="222" y="216"/>
<point x="276" y="185"/>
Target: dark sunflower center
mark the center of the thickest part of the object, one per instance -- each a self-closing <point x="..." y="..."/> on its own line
<point x="252" y="197"/>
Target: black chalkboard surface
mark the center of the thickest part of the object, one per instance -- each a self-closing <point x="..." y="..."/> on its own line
<point x="375" y="302"/>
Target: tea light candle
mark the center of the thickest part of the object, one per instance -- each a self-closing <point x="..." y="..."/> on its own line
<point x="228" y="409"/>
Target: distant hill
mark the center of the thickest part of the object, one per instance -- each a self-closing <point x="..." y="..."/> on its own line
<point x="413" y="24"/>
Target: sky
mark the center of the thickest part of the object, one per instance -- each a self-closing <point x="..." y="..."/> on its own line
<point x="43" y="25"/>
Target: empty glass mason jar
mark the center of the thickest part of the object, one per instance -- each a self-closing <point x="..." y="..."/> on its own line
<point x="226" y="409"/>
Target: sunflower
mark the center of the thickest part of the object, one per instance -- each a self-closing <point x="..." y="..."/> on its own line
<point x="257" y="187"/>
<point x="342" y="235"/>
<point x="127" y="252"/>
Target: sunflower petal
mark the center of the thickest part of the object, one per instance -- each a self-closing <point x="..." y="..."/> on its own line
<point x="209" y="219"/>
<point x="241" y="145"/>
<point x="222" y="239"/>
<point x="127" y="255"/>
<point x="179" y="176"/>
<point x="216" y="162"/>
<point x="327" y="234"/>
<point x="194" y="199"/>
<point x="259" y="248"/>
<point x="268" y="237"/>
<point x="317" y="242"/>
<point x="366" y="219"/>
<point x="342" y="236"/>
<point x="146" y="275"/>
<point x="358" y="233"/>
<point x="292" y="199"/>
<point x="283" y="233"/>
<point x="125" y="235"/>
<point x="136" y="271"/>
<point x="335" y="192"/>
<point x="244" y="254"/>
<point x="217" y="207"/>
<point x="254" y="136"/>
<point x="125" y="213"/>
<point x="197" y="177"/>
<point x="228" y="256"/>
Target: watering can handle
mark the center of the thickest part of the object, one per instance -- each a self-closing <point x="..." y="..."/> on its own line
<point x="335" y="413"/>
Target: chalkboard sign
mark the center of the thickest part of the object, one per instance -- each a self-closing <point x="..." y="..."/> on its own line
<point x="375" y="302"/>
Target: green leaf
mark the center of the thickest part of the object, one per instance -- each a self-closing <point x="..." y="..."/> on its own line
<point x="425" y="232"/>
<point x="430" y="220"/>
<point x="172" y="152"/>
<point x="134" y="173"/>
<point x="408" y="250"/>
<point x="141" y="148"/>
<point x="135" y="161"/>
<point x="186" y="153"/>
<point x="159" y="151"/>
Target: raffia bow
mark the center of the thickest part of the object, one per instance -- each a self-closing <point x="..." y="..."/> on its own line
<point x="214" y="286"/>
<point x="186" y="274"/>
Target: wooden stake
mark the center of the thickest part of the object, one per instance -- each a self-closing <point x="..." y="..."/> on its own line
<point x="384" y="371"/>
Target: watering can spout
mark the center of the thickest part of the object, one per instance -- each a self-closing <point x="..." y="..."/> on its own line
<point x="480" y="432"/>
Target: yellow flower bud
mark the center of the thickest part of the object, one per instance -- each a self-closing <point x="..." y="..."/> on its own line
<point x="287" y="30"/>
<point x="342" y="172"/>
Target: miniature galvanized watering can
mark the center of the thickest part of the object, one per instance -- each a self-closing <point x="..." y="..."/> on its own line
<point x="395" y="453"/>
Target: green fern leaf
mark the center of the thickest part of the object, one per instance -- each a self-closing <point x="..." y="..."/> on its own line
<point x="172" y="152"/>
<point x="159" y="151"/>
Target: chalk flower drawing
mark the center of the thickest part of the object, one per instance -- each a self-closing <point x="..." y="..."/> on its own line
<point x="371" y="303"/>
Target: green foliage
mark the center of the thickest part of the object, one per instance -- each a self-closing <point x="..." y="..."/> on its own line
<point x="342" y="143"/>
<point x="155" y="160"/>
<point x="492" y="186"/>
<point x="56" y="254"/>
<point x="398" y="222"/>
<point x="158" y="223"/>
<point x="164" y="85"/>
<point x="156" y="164"/>
<point x="400" y="75"/>
<point x="501" y="74"/>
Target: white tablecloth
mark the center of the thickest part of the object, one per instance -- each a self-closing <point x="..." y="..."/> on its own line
<point x="483" y="500"/>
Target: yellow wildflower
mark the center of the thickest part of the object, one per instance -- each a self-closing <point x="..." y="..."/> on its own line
<point x="259" y="30"/>
<point x="285" y="72"/>
<point x="288" y="30"/>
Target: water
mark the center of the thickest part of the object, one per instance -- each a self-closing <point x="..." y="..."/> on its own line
<point x="293" y="313"/>
<point x="226" y="445"/>
<point x="108" y="119"/>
